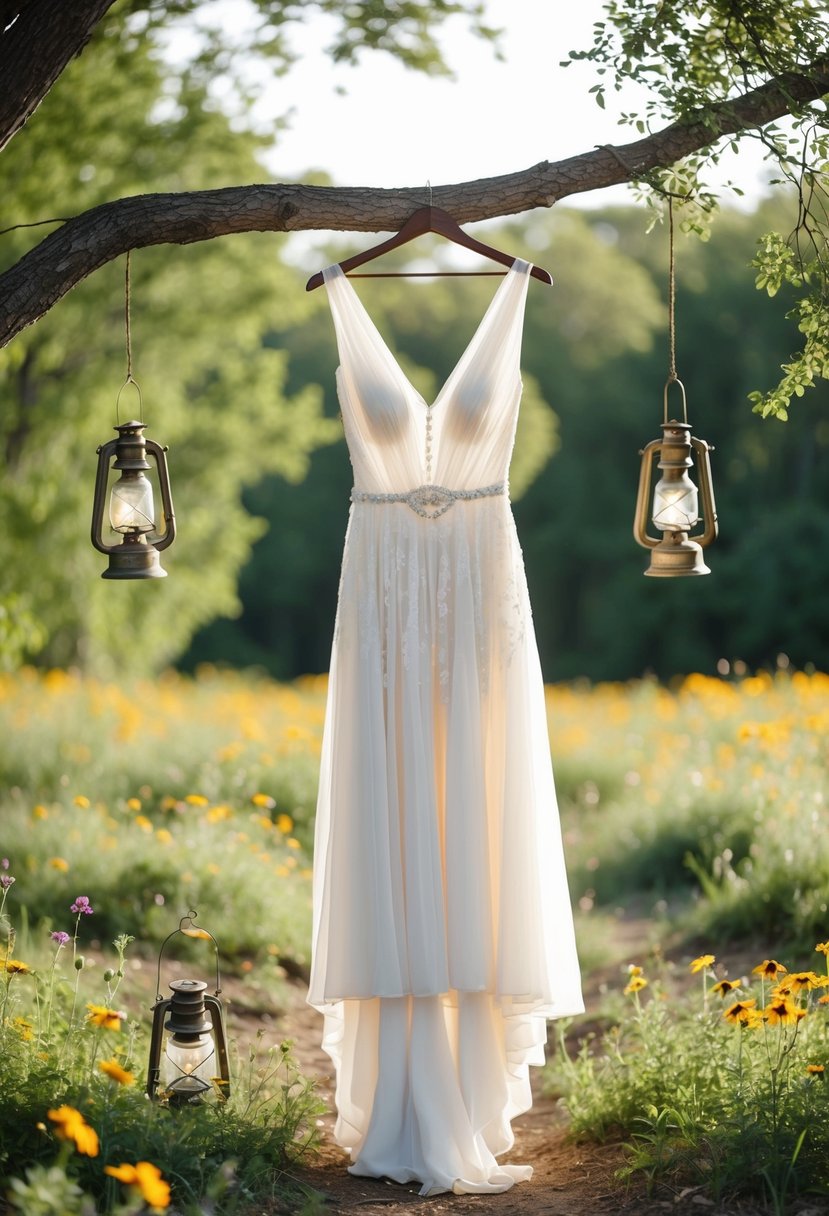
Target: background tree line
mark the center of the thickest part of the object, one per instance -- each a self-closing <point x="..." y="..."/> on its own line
<point x="237" y="362"/>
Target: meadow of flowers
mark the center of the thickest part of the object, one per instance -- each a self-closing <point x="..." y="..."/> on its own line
<point x="703" y="803"/>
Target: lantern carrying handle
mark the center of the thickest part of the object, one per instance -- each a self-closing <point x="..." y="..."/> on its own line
<point x="130" y="380"/>
<point x="674" y="379"/>
<point x="188" y="927"/>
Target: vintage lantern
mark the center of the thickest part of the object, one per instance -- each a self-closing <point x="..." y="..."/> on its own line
<point x="188" y="1047"/>
<point x="130" y="505"/>
<point x="675" y="510"/>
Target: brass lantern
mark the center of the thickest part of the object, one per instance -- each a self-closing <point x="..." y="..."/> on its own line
<point x="675" y="507"/>
<point x="188" y="1047"/>
<point x="131" y="507"/>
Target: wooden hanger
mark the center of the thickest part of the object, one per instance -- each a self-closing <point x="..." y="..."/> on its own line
<point x="427" y="219"/>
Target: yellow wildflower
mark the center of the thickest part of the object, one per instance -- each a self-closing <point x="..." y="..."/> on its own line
<point x="702" y="963"/>
<point x="107" y="1019"/>
<point x="816" y="1070"/>
<point x="24" y="1028"/>
<point x="196" y="799"/>
<point x="163" y="836"/>
<point x="770" y="969"/>
<point x="285" y="824"/>
<point x="82" y="801"/>
<point x="264" y="800"/>
<point x="146" y="1178"/>
<point x="71" y="1125"/>
<point x="15" y="967"/>
<point x="634" y="969"/>
<point x="59" y="863"/>
<point x="723" y="987"/>
<point x="40" y="812"/>
<point x="635" y="984"/>
<point x="823" y="1000"/>
<point x="293" y="843"/>
<point x="134" y="804"/>
<point x="141" y="821"/>
<point x="741" y="1012"/>
<point x="802" y="981"/>
<point x="783" y="1013"/>
<point x="823" y="948"/>
<point x="116" y="1073"/>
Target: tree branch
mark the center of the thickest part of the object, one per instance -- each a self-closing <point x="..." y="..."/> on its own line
<point x="37" y="40"/>
<point x="90" y="240"/>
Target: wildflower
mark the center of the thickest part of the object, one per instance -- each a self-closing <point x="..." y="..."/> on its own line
<point x="60" y="937"/>
<point x="634" y="969"/>
<point x="82" y="801"/>
<point x="770" y="969"/>
<point x="24" y="1028"/>
<point x="71" y="1125"/>
<point x="815" y="1070"/>
<point x="635" y="984"/>
<point x="823" y="1000"/>
<point x="802" y="981"/>
<point x="6" y="881"/>
<point x="59" y="863"/>
<point x="702" y="963"/>
<point x="723" y="987"/>
<point x="146" y="1178"/>
<point x="107" y="1019"/>
<point x="293" y="843"/>
<point x="40" y="812"/>
<point x="141" y="821"/>
<point x="134" y="804"/>
<point x="823" y="948"/>
<point x="264" y="800"/>
<point x="15" y="967"/>
<point x="4" y="864"/>
<point x="114" y="1070"/>
<point x="284" y="824"/>
<point x="741" y="1012"/>
<point x="783" y="1013"/>
<point x="82" y="906"/>
<point x="163" y="836"/>
<point x="196" y="799"/>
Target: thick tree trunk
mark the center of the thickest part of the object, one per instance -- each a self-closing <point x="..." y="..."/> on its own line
<point x="37" y="40"/>
<point x="83" y="244"/>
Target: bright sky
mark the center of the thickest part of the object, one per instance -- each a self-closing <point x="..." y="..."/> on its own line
<point x="391" y="126"/>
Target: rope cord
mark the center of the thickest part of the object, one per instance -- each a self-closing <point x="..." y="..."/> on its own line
<point x="672" y="375"/>
<point x="130" y="379"/>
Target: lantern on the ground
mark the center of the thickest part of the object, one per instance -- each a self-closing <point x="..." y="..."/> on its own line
<point x="130" y="506"/>
<point x="188" y="1047"/>
<point x="675" y="507"/>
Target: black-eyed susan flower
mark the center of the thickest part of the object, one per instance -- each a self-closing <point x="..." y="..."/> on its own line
<point x="635" y="984"/>
<point x="741" y="1013"/>
<point x="71" y="1125"/>
<point x="724" y="987"/>
<point x="115" y="1072"/>
<point x="815" y="1070"/>
<point x="702" y="963"/>
<point x="146" y="1178"/>
<point x="802" y="981"/>
<point x="107" y="1019"/>
<point x="769" y="969"/>
<point x="783" y="1012"/>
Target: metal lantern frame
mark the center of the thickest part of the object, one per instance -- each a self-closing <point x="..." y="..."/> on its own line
<point x="199" y="1002"/>
<point x="135" y="556"/>
<point x="677" y="553"/>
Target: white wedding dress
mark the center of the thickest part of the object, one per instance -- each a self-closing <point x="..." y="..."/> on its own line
<point x="443" y="934"/>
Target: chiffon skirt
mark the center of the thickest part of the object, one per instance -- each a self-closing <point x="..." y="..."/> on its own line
<point x="443" y="934"/>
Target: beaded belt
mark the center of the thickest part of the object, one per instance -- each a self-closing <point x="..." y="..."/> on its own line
<point x="430" y="501"/>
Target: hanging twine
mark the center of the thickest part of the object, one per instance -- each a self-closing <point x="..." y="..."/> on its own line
<point x="673" y="378"/>
<point x="130" y="379"/>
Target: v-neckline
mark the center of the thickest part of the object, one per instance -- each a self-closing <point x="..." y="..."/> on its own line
<point x="428" y="406"/>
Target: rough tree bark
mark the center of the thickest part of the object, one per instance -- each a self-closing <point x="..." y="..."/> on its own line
<point x="83" y="244"/>
<point x="37" y="40"/>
